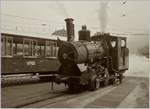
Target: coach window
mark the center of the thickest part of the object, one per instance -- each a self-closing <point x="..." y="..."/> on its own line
<point x="40" y="49"/>
<point x="2" y="45"/>
<point x="53" y="49"/>
<point x="50" y="49"/>
<point x="9" y="46"/>
<point x="15" y="41"/>
<point x="19" y="49"/>
<point x="34" y="48"/>
<point x="14" y="49"/>
<point x="57" y="50"/>
<point x="27" y="47"/>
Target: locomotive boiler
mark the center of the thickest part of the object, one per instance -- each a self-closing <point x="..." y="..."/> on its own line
<point x="92" y="61"/>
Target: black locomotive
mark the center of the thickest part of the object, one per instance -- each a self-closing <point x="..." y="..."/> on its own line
<point x="92" y="61"/>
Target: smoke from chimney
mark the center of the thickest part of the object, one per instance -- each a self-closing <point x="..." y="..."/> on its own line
<point x="102" y="15"/>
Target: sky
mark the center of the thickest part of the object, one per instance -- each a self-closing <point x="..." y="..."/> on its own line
<point x="44" y="17"/>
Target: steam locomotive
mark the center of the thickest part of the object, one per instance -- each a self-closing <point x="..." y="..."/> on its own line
<point x="92" y="61"/>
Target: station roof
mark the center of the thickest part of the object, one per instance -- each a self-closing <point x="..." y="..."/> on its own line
<point x="61" y="32"/>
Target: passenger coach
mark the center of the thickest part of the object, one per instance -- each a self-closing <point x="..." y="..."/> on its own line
<point x="23" y="54"/>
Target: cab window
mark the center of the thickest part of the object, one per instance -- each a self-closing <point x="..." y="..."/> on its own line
<point x="113" y="43"/>
<point x="123" y="43"/>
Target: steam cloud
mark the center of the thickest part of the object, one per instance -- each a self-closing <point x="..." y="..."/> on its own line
<point x="102" y="15"/>
<point x="62" y="9"/>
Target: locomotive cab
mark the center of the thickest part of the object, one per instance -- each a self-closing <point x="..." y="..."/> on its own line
<point x="119" y="53"/>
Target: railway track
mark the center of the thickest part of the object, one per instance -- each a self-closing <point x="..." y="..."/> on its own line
<point x="26" y="104"/>
<point x="40" y="95"/>
<point x="55" y="102"/>
<point x="13" y="80"/>
<point x="29" y="94"/>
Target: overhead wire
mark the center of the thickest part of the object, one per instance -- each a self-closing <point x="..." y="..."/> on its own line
<point x="51" y="23"/>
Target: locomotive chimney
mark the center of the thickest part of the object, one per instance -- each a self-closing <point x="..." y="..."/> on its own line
<point x="70" y="29"/>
